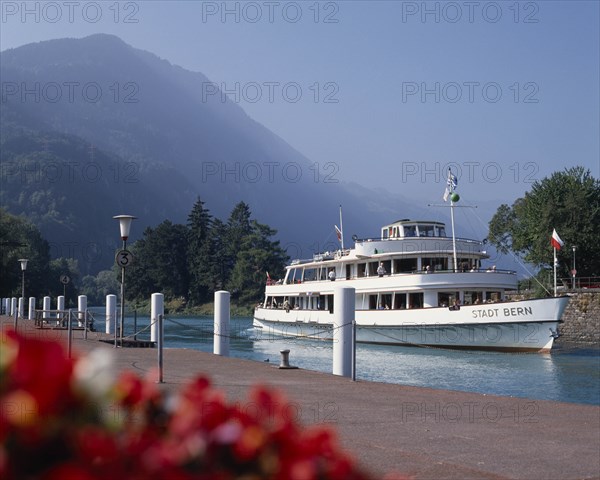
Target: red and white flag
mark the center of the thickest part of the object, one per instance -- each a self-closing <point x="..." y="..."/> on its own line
<point x="556" y="240"/>
<point x="338" y="232"/>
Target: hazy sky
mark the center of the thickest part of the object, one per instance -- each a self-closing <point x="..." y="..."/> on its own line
<point x="389" y="91"/>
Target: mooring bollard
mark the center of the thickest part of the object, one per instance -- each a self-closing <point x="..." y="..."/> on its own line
<point x="284" y="364"/>
<point x="21" y="307"/>
<point x="46" y="308"/>
<point x="111" y="313"/>
<point x="31" y="310"/>
<point x="60" y="307"/>
<point x="13" y="306"/>
<point x="82" y="311"/>
<point x="343" y="323"/>
<point x="157" y="307"/>
<point x="221" y="324"/>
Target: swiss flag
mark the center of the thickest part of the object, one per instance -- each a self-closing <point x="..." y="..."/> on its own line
<point x="556" y="241"/>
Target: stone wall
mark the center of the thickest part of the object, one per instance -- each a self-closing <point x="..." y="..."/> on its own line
<point x="581" y="320"/>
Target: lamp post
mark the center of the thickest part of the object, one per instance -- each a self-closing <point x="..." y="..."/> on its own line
<point x="574" y="271"/>
<point x="123" y="259"/>
<point x="23" y="268"/>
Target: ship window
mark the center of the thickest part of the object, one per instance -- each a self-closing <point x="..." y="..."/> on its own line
<point x="291" y="276"/>
<point x="415" y="300"/>
<point x="384" y="233"/>
<point x="395" y="234"/>
<point x="473" y="298"/>
<point x="405" y="265"/>
<point x="426" y="231"/>
<point x="348" y="272"/>
<point x="447" y="299"/>
<point x="441" y="232"/>
<point x="443" y="299"/>
<point x="373" y="302"/>
<point x="361" y="270"/>
<point x="321" y="302"/>
<point x="464" y="265"/>
<point x="399" y="301"/>
<point x="434" y="264"/>
<point x="491" y="297"/>
<point x="387" y="264"/>
<point x="386" y="301"/>
<point x="410" y="231"/>
<point x="373" y="269"/>
<point x="441" y="264"/>
<point x="310" y="274"/>
<point x="323" y="273"/>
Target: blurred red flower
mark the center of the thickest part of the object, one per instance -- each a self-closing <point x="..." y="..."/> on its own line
<point x="52" y="428"/>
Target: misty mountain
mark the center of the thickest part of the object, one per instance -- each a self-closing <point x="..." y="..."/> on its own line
<point x="160" y="136"/>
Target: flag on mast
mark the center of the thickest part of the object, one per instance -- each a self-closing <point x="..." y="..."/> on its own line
<point x="338" y="232"/>
<point x="556" y="240"/>
<point x="451" y="184"/>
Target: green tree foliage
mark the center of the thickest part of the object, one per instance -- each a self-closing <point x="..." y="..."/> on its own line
<point x="98" y="287"/>
<point x="568" y="201"/>
<point x="195" y="260"/>
<point x="256" y="256"/>
<point x="160" y="263"/>
<point x="59" y="267"/>
<point x="238" y="227"/>
<point x="21" y="239"/>
<point x="200" y="252"/>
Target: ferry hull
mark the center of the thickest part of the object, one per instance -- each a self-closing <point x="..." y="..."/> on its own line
<point x="529" y="325"/>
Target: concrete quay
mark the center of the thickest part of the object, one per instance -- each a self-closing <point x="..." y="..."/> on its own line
<point x="420" y="432"/>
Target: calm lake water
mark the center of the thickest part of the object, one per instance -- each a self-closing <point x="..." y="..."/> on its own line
<point x="566" y="375"/>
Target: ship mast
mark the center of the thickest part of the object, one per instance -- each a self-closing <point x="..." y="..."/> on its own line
<point x="453" y="236"/>
<point x="451" y="184"/>
<point x="341" y="229"/>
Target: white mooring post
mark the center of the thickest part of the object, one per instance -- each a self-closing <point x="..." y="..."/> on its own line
<point x="21" y="307"/>
<point x="46" y="307"/>
<point x="221" y="332"/>
<point x="31" y="311"/>
<point x="157" y="307"/>
<point x="343" y="324"/>
<point x="13" y="306"/>
<point x="60" y="306"/>
<point x="111" y="313"/>
<point x="6" y="303"/>
<point x="82" y="310"/>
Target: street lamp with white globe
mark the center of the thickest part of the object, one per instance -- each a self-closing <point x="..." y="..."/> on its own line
<point x="124" y="258"/>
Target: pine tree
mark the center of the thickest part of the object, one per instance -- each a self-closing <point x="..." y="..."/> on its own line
<point x="238" y="227"/>
<point x="200" y="253"/>
<point x="257" y="255"/>
<point x="160" y="263"/>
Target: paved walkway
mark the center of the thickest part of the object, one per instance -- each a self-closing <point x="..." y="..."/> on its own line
<point x="430" y="434"/>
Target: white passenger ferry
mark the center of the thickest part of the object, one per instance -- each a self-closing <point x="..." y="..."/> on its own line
<point x="414" y="286"/>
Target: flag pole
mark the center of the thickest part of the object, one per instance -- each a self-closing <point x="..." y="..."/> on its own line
<point x="554" y="248"/>
<point x="453" y="236"/>
<point x="342" y="228"/>
<point x="450" y="187"/>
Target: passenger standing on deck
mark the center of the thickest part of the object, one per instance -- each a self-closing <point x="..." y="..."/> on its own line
<point x="381" y="270"/>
